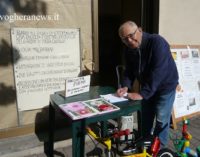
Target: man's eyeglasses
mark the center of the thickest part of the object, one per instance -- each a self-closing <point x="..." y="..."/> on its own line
<point x="131" y="35"/>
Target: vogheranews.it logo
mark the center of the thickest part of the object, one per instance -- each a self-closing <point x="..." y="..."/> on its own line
<point x="15" y="17"/>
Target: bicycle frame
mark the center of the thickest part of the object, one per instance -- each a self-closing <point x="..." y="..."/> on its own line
<point x="105" y="141"/>
<point x="143" y="154"/>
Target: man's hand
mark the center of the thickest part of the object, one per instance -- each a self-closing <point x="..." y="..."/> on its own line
<point x="134" y="96"/>
<point x="121" y="92"/>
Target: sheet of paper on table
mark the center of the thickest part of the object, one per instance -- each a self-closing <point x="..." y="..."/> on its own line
<point x="88" y="108"/>
<point x="112" y="98"/>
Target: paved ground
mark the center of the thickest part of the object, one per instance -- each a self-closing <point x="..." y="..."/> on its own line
<point x="32" y="146"/>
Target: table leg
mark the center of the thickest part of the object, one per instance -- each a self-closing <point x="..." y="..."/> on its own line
<point x="104" y="128"/>
<point x="139" y="117"/>
<point x="51" y="129"/>
<point x="78" y="138"/>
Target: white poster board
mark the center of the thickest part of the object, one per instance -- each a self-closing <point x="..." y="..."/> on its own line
<point x="45" y="58"/>
<point x="187" y="101"/>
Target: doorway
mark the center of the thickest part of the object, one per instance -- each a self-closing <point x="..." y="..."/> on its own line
<point x="111" y="15"/>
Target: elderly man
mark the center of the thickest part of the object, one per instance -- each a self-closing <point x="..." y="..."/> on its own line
<point x="149" y="60"/>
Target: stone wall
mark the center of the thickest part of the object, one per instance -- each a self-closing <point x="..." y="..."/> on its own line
<point x="36" y="14"/>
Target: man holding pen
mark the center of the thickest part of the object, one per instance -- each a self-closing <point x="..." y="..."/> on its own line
<point x="149" y="60"/>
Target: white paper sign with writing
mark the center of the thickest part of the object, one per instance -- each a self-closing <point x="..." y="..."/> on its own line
<point x="43" y="59"/>
<point x="77" y="85"/>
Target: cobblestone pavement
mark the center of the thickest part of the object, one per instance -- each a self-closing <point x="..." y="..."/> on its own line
<point x="29" y="146"/>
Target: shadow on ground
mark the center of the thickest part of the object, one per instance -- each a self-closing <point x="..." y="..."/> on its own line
<point x="62" y="129"/>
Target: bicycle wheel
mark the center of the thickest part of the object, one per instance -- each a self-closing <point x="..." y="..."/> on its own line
<point x="165" y="152"/>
